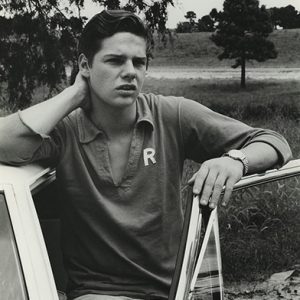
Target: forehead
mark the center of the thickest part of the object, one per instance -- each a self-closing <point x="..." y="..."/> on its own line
<point x="123" y="43"/>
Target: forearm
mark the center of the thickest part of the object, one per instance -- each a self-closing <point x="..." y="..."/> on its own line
<point x="21" y="136"/>
<point x="43" y="117"/>
<point x="261" y="156"/>
<point x="217" y="173"/>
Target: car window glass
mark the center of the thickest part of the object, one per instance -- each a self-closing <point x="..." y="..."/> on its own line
<point x="259" y="230"/>
<point x="12" y="284"/>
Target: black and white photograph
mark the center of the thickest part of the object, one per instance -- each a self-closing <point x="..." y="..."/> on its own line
<point x="149" y="150"/>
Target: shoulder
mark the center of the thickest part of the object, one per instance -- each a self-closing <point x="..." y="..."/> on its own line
<point x="168" y="104"/>
<point x="163" y="101"/>
<point x="172" y="105"/>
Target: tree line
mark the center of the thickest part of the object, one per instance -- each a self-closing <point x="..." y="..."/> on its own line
<point x="280" y="17"/>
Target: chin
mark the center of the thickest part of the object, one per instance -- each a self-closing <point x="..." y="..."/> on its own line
<point x="127" y="99"/>
<point x="123" y="102"/>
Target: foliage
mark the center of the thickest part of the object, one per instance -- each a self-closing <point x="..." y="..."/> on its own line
<point x="206" y="23"/>
<point x="184" y="27"/>
<point x="242" y="31"/>
<point x="190" y="25"/>
<point x="286" y="17"/>
<point x="38" y="39"/>
<point x="191" y="16"/>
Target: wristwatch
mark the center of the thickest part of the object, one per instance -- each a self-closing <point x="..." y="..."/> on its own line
<point x="239" y="155"/>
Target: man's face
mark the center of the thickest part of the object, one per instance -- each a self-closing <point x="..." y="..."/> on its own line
<point x="118" y="69"/>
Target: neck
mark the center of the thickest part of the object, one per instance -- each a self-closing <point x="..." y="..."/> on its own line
<point x="114" y="121"/>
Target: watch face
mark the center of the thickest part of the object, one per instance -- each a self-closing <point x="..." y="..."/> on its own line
<point x="235" y="153"/>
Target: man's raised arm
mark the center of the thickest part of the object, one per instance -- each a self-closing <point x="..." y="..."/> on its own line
<point x="21" y="133"/>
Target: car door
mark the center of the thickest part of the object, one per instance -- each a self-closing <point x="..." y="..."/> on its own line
<point x="25" y="270"/>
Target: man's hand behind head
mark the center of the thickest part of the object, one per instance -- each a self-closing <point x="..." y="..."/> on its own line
<point x="81" y="87"/>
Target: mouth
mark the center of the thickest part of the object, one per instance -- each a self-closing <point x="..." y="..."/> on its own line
<point x="127" y="87"/>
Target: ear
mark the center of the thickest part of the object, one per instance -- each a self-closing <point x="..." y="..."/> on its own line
<point x="83" y="65"/>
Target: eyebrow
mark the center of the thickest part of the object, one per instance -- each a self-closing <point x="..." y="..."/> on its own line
<point x="122" y="56"/>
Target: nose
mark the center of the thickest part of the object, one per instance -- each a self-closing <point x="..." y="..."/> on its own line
<point x="129" y="71"/>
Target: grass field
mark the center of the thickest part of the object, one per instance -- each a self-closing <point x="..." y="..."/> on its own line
<point x="196" y="49"/>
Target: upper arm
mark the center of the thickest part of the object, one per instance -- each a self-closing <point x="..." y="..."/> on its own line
<point x="207" y="134"/>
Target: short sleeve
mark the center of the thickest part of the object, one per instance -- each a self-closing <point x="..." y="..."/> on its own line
<point x="207" y="134"/>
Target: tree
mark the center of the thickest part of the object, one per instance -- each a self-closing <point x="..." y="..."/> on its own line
<point x="38" y="38"/>
<point x="242" y="31"/>
<point x="183" y="27"/>
<point x="191" y="16"/>
<point x="275" y="16"/>
<point x="286" y="17"/>
<point x="206" y="23"/>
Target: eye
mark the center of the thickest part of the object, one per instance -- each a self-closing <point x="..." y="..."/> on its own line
<point x="139" y="62"/>
<point x="115" y="61"/>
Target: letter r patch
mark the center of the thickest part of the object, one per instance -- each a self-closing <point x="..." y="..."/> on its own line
<point x="149" y="155"/>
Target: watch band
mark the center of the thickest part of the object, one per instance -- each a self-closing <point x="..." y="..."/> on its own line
<point x="239" y="155"/>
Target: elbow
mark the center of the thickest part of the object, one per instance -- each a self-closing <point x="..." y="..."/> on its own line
<point x="18" y="145"/>
<point x="12" y="157"/>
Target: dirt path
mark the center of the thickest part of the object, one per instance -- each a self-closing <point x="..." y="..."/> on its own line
<point x="224" y="73"/>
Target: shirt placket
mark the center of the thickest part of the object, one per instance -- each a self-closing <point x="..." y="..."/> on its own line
<point x="103" y="160"/>
<point x="134" y="156"/>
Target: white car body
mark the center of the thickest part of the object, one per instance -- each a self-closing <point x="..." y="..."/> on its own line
<point x="18" y="184"/>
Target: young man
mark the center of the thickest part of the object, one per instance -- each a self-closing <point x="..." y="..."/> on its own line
<point x="119" y="156"/>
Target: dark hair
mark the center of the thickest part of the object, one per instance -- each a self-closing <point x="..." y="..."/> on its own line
<point x="106" y="24"/>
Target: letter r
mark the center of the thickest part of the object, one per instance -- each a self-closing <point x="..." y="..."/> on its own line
<point x="149" y="154"/>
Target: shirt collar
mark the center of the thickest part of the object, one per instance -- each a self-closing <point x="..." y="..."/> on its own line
<point x="144" y="113"/>
<point x="88" y="131"/>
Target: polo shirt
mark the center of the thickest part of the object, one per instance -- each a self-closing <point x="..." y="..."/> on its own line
<point x="122" y="239"/>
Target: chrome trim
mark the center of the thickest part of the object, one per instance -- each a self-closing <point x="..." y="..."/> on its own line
<point x="289" y="170"/>
<point x="43" y="181"/>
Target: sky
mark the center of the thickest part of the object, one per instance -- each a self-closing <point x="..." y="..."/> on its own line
<point x="200" y="7"/>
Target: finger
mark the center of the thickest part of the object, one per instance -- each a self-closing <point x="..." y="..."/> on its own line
<point x="228" y="191"/>
<point x="208" y="187"/>
<point x="192" y="179"/>
<point x="217" y="190"/>
<point x="199" y="179"/>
